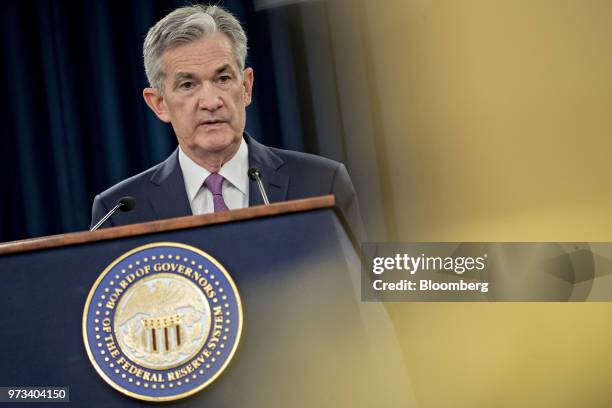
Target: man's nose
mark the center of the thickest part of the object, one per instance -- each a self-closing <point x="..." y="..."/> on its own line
<point x="209" y="98"/>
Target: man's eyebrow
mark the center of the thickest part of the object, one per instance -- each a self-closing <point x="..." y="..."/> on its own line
<point x="182" y="75"/>
<point x="225" y="68"/>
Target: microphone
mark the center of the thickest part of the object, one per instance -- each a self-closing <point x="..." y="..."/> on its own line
<point x="124" y="204"/>
<point x="255" y="175"/>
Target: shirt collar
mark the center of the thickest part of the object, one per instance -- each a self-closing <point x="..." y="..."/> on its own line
<point x="234" y="171"/>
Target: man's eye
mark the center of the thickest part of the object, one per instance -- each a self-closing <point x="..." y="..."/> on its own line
<point x="186" y="85"/>
<point x="224" y="78"/>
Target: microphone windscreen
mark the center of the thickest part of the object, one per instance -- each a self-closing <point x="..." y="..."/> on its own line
<point x="253" y="173"/>
<point x="127" y="203"/>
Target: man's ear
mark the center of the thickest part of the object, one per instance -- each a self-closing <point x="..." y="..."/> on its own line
<point x="248" y="85"/>
<point x="156" y="102"/>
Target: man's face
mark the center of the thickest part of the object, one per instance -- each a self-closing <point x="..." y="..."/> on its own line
<point x="205" y="96"/>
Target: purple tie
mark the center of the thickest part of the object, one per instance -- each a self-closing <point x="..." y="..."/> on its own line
<point x="214" y="183"/>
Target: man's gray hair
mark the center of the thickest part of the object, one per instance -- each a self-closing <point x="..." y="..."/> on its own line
<point x="185" y="25"/>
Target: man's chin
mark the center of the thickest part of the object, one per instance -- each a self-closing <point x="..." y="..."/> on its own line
<point x="214" y="142"/>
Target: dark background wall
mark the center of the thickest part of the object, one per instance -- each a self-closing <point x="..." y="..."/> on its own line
<point x="73" y="118"/>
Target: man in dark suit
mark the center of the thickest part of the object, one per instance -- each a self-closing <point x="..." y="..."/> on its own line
<point x="195" y="63"/>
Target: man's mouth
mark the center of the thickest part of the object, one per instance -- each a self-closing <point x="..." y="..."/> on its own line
<point x="212" y="122"/>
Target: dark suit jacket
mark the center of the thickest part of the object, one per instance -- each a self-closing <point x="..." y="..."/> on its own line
<point x="160" y="191"/>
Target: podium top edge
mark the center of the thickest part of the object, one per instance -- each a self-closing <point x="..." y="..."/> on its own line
<point x="170" y="224"/>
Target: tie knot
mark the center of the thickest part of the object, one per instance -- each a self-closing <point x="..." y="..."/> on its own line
<point x="214" y="182"/>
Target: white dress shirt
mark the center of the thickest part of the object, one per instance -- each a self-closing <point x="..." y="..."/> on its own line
<point x="235" y="187"/>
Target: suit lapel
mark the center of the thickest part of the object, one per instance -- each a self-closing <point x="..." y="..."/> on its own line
<point x="169" y="199"/>
<point x="168" y="196"/>
<point x="268" y="163"/>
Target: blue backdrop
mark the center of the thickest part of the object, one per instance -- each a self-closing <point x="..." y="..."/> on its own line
<point x="74" y="121"/>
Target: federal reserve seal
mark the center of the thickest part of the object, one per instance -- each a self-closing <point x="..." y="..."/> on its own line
<point x="162" y="321"/>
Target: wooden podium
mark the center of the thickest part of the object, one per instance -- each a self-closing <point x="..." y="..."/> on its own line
<point x="306" y="339"/>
